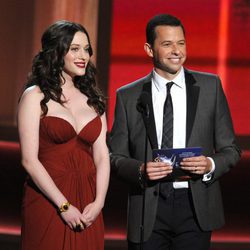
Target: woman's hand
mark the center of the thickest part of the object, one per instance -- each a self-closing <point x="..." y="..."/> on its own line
<point x="90" y="212"/>
<point x="72" y="218"/>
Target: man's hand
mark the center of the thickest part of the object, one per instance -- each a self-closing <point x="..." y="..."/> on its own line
<point x="156" y="170"/>
<point x="197" y="165"/>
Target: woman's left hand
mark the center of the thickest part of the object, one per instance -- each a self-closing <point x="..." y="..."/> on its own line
<point x="90" y="212"/>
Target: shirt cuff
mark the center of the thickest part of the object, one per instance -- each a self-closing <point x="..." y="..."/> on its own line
<point x="208" y="176"/>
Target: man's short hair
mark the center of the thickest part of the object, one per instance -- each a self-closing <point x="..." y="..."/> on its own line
<point x="162" y="19"/>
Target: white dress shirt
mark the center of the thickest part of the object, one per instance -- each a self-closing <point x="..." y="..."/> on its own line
<point x="178" y="94"/>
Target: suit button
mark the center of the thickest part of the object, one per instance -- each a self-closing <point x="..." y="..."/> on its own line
<point x="155" y="193"/>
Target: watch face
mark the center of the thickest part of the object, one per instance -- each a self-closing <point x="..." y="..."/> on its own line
<point x="65" y="207"/>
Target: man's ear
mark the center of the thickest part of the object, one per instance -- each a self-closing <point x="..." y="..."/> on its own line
<point x="148" y="49"/>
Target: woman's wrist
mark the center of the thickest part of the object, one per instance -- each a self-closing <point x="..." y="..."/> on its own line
<point x="64" y="207"/>
<point x="99" y="203"/>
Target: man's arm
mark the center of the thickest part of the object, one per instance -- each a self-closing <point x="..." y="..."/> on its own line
<point x="122" y="164"/>
<point x="227" y="153"/>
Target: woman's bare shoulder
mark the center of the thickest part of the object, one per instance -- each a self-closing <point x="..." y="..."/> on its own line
<point x="32" y="93"/>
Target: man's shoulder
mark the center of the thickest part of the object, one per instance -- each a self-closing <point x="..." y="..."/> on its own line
<point x="206" y="81"/>
<point x="200" y="74"/>
<point x="135" y="85"/>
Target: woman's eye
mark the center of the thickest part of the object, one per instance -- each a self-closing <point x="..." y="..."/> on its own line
<point x="74" y="49"/>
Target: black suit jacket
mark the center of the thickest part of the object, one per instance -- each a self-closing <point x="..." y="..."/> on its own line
<point x="209" y="126"/>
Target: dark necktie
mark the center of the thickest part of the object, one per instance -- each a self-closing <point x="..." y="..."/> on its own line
<point x="168" y="119"/>
<point x="167" y="136"/>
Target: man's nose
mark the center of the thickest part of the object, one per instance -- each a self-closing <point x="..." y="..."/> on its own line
<point x="175" y="49"/>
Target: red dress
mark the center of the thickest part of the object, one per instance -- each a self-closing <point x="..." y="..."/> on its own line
<point x="68" y="159"/>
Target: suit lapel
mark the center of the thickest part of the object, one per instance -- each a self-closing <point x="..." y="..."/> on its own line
<point x="192" y="100"/>
<point x="151" y="124"/>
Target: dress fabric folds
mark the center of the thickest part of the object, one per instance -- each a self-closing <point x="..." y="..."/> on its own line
<point x="67" y="157"/>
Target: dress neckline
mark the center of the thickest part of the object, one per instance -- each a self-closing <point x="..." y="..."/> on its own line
<point x="66" y="121"/>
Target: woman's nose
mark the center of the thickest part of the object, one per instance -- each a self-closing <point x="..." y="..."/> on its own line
<point x="83" y="54"/>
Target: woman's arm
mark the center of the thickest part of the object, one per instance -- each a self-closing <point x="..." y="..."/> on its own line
<point x="29" y="113"/>
<point x="102" y="163"/>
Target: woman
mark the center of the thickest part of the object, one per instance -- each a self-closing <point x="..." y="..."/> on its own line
<point x="62" y="129"/>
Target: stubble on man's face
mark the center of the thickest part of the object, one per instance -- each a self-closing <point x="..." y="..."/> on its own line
<point x="169" y="50"/>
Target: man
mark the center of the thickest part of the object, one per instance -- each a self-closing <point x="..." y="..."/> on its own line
<point x="180" y="213"/>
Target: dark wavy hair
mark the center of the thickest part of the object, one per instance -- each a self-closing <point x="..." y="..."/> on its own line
<point x="49" y="62"/>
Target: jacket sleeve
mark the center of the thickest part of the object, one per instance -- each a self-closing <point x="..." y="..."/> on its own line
<point x="226" y="153"/>
<point x="122" y="164"/>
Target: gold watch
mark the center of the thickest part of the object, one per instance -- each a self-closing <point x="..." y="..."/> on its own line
<point x="64" y="207"/>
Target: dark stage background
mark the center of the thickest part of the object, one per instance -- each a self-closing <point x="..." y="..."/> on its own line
<point x="218" y="39"/>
